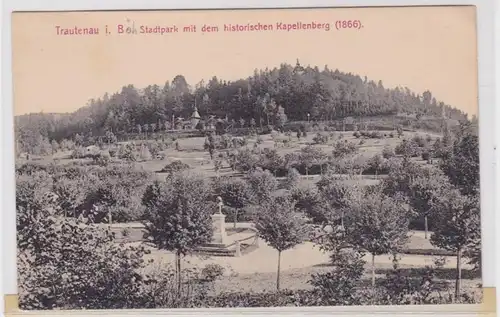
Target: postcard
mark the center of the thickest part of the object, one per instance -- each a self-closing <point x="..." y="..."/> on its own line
<point x="247" y="158"/>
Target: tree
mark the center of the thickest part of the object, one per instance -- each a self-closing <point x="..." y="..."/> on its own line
<point x="110" y="137"/>
<point x="271" y="160"/>
<point x="210" y="145"/>
<point x="280" y="226"/>
<point x="462" y="165"/>
<point x="145" y="128"/>
<point x="144" y="153"/>
<point x="244" y="160"/>
<point x="292" y="179"/>
<point x="457" y="226"/>
<point x="311" y="155"/>
<point x="66" y="263"/>
<point x="262" y="184"/>
<point x="343" y="149"/>
<point x="235" y="194"/>
<point x="217" y="165"/>
<point x="338" y="194"/>
<point x="377" y="163"/>
<point x="55" y="146"/>
<point x="422" y="191"/>
<point x="177" y="216"/>
<point x="280" y="117"/>
<point x="377" y="224"/>
<point x="70" y="194"/>
<point x="324" y="94"/>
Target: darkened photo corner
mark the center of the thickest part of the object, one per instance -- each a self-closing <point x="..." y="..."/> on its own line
<point x="297" y="184"/>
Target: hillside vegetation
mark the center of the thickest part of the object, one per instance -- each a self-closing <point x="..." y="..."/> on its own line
<point x="268" y="97"/>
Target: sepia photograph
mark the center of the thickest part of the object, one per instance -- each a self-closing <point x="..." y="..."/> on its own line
<point x="247" y="158"/>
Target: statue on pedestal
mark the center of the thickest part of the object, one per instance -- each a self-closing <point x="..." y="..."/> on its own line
<point x="220" y="204"/>
<point x="219" y="223"/>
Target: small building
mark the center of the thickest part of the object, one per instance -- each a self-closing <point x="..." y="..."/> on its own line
<point x="195" y="118"/>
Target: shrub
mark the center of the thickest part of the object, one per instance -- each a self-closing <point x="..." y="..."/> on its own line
<point x="102" y="159"/>
<point x="376" y="135"/>
<point x="388" y="152"/>
<point x="59" y="257"/>
<point x="244" y="160"/>
<point x="357" y="134"/>
<point x="419" y="141"/>
<point x="399" y="131"/>
<point x="270" y="160"/>
<point x="343" y="149"/>
<point x="212" y="271"/>
<point x="292" y="178"/>
<point x="426" y="156"/>
<point x="310" y="202"/>
<point x="158" y="289"/>
<point x="399" y="288"/>
<point x="175" y="166"/>
<point x="320" y="138"/>
<point x="377" y="165"/>
<point x="125" y="232"/>
<point x="77" y="153"/>
<point x="338" y="287"/>
<point x="241" y="299"/>
<point x="407" y="148"/>
<point x="127" y="152"/>
<point x="145" y="154"/>
<point x="154" y="149"/>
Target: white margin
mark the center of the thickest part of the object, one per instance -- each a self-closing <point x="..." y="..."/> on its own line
<point x="487" y="114"/>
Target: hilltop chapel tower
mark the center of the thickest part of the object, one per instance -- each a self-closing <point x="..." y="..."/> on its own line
<point x="195" y="118"/>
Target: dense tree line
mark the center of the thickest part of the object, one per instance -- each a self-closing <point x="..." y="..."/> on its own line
<point x="268" y="97"/>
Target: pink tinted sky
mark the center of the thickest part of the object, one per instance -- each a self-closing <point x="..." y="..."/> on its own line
<point x="421" y="47"/>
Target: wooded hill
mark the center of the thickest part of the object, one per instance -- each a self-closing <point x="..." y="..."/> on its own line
<point x="267" y="97"/>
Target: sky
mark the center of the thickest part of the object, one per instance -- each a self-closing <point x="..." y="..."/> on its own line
<point x="423" y="48"/>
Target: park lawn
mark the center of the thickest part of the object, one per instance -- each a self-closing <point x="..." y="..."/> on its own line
<point x="192" y="153"/>
<point x="417" y="244"/>
<point x="296" y="279"/>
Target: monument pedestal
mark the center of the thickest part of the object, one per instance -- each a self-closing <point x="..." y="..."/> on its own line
<point x="219" y="236"/>
<point x="220" y="244"/>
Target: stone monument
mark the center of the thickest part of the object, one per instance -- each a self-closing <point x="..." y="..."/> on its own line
<point x="220" y="245"/>
<point x="219" y="236"/>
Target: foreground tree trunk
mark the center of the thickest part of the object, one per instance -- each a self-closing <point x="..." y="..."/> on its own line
<point x="235" y="220"/>
<point x="178" y="271"/>
<point x="373" y="270"/>
<point x="426" y="227"/>
<point x="458" y="280"/>
<point x="278" y="275"/>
